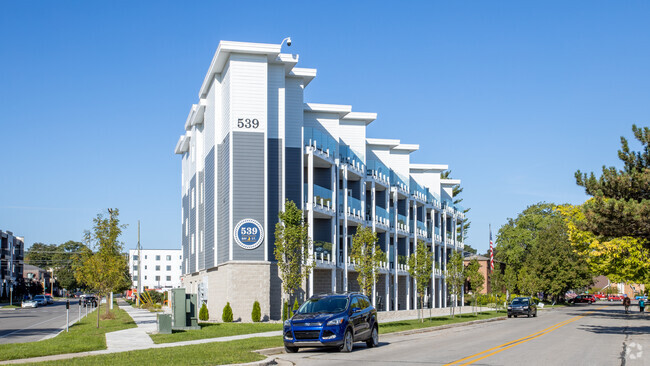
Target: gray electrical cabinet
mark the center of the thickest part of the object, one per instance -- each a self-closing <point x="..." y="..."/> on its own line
<point x="184" y="310"/>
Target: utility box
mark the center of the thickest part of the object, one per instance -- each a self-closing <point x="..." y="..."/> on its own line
<point x="184" y="310"/>
<point x="164" y="323"/>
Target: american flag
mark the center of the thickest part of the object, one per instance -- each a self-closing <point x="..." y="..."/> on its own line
<point x="491" y="251"/>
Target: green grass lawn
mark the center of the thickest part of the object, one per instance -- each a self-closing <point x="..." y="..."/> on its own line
<point x="83" y="336"/>
<point x="399" y="326"/>
<point x="218" y="353"/>
<point x="11" y="306"/>
<point x="213" y="330"/>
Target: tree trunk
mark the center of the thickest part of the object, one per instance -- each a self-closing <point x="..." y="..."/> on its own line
<point x="99" y="301"/>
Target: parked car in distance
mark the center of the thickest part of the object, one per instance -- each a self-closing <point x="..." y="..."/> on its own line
<point x="29" y="303"/>
<point x="335" y="320"/>
<point x="614" y="298"/>
<point x="50" y="299"/>
<point x="600" y="296"/>
<point x="639" y="297"/>
<point x="42" y="301"/>
<point x="90" y="300"/>
<point x="582" y="299"/>
<point x="522" y="306"/>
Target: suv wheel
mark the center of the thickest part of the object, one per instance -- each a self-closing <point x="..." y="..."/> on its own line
<point x="347" y="342"/>
<point x="288" y="349"/>
<point x="373" y="341"/>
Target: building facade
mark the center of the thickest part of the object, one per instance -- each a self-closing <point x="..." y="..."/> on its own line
<point x="161" y="268"/>
<point x="251" y="142"/>
<point x="12" y="255"/>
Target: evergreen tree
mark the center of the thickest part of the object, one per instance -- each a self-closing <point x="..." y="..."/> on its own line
<point x="256" y="314"/>
<point x="203" y="313"/>
<point x="227" y="315"/>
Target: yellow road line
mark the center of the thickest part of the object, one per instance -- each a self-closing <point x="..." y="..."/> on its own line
<point x="500" y="348"/>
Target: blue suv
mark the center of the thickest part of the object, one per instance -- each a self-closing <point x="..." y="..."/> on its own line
<point x="336" y="320"/>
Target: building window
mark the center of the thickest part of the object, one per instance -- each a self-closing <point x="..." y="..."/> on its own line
<point x="145" y="257"/>
<point x="180" y="257"/>
<point x="169" y="278"/>
<point x="169" y="257"/>
<point x="157" y="268"/>
<point x="158" y="278"/>
<point x="157" y="257"/>
<point x="169" y="268"/>
<point x="145" y="266"/>
<point x="135" y="257"/>
<point x="135" y="267"/>
<point x="145" y="277"/>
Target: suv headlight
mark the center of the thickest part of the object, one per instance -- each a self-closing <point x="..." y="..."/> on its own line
<point x="336" y="321"/>
<point x="287" y="323"/>
<point x="509" y="307"/>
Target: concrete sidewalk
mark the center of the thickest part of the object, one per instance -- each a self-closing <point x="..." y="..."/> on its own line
<point x="138" y="338"/>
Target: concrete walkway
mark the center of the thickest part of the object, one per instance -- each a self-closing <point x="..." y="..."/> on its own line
<point x="138" y="338"/>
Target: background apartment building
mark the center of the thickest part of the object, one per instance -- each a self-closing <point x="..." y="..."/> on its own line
<point x="251" y="142"/>
<point x="161" y="268"/>
<point x="12" y="255"/>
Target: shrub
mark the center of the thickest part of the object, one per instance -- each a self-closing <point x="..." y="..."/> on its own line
<point x="285" y="311"/>
<point x="295" y="305"/>
<point x="256" y="315"/>
<point x="227" y="313"/>
<point x="203" y="313"/>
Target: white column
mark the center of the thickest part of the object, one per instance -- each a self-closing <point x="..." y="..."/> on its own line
<point x="374" y="230"/>
<point x="395" y="261"/>
<point x="345" y="228"/>
<point x="334" y="227"/>
<point x="310" y="216"/>
<point x="409" y="285"/>
<point x="443" y="225"/>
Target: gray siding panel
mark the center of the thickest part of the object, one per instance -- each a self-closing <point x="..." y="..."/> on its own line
<point x="223" y="203"/>
<point x="209" y="209"/>
<point x="275" y="190"/>
<point x="248" y="186"/>
<point x="293" y="166"/>
<point x="201" y="206"/>
<point x="192" y="224"/>
<point x="185" y="237"/>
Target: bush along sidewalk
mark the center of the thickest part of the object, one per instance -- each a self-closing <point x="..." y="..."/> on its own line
<point x="256" y="315"/>
<point x="203" y="313"/>
<point x="227" y="313"/>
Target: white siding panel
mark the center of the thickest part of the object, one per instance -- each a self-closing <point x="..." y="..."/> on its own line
<point x="248" y="88"/>
<point x="353" y="134"/>
<point x="276" y="101"/>
<point x="224" y="123"/>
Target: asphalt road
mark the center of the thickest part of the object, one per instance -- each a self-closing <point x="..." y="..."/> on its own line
<point x="599" y="334"/>
<point x="29" y="325"/>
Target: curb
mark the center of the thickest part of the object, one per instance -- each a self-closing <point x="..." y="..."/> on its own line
<point x="446" y="326"/>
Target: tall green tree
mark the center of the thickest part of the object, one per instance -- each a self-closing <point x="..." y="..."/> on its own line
<point x="538" y="253"/>
<point x="103" y="269"/>
<point x="463" y="225"/>
<point x="64" y="262"/>
<point x="621" y="197"/>
<point x="41" y="255"/>
<point x="455" y="278"/>
<point x="367" y="255"/>
<point x="421" y="268"/>
<point x="474" y="278"/>
<point x="292" y="245"/>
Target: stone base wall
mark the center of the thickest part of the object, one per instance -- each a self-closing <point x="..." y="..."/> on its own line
<point x="241" y="284"/>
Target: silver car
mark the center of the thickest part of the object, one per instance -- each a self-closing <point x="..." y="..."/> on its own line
<point x="29" y="304"/>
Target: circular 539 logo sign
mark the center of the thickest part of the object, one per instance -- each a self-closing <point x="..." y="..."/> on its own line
<point x="249" y="234"/>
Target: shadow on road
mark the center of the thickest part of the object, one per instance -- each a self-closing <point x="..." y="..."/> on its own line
<point x="622" y="329"/>
<point x="357" y="347"/>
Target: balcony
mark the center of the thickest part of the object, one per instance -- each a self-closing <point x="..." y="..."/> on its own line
<point x="381" y="216"/>
<point x="320" y="141"/>
<point x="398" y="181"/>
<point x="378" y="171"/>
<point x="421" y="229"/>
<point x="433" y="199"/>
<point x="401" y="222"/>
<point x="322" y="250"/>
<point x="354" y="206"/>
<point x="348" y="156"/>
<point x="417" y="191"/>
<point x="322" y="198"/>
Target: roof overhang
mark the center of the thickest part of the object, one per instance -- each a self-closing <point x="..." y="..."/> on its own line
<point x="360" y="116"/>
<point x="183" y="145"/>
<point x="382" y="142"/>
<point x="436" y="168"/>
<point x="341" y="110"/>
<point x="228" y="47"/>
<point x="450" y="182"/>
<point x="407" y="147"/>
<point x="195" y="117"/>
<point x="307" y="75"/>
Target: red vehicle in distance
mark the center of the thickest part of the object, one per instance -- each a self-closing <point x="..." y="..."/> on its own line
<point x="614" y="298"/>
<point x="600" y="296"/>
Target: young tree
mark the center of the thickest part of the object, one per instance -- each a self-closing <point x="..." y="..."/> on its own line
<point x="292" y="244"/>
<point x="103" y="269"/>
<point x="475" y="278"/>
<point x="455" y="278"/>
<point x="420" y="268"/>
<point x="367" y="256"/>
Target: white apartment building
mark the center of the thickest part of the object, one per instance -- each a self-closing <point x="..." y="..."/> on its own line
<point x="161" y="268"/>
<point x="251" y="142"/>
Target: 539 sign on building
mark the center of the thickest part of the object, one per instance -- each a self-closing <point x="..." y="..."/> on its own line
<point x="249" y="234"/>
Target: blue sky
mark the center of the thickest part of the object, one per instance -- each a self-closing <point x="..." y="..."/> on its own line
<point x="514" y="96"/>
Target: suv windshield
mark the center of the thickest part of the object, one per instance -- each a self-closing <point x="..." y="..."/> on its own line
<point x="520" y="302"/>
<point x="324" y="305"/>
